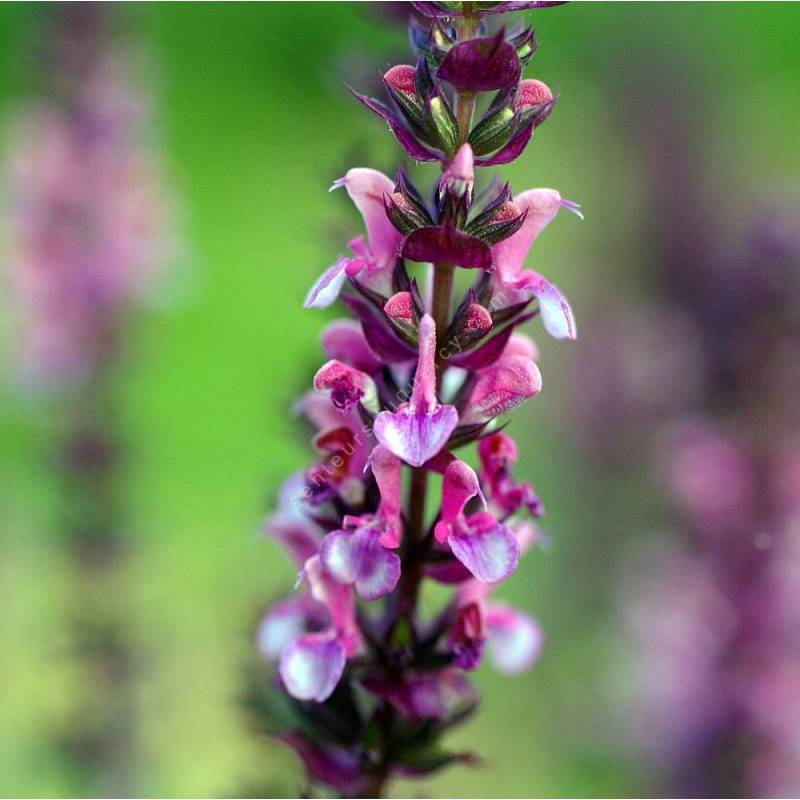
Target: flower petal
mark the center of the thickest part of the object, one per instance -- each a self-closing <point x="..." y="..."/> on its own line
<point x="503" y="386"/>
<point x="312" y="665"/>
<point x="415" y="438"/>
<point x="515" y="639"/>
<point x="542" y="206"/>
<point x="388" y="472"/>
<point x="285" y="621"/>
<point x="488" y="550"/>
<point x="367" y="188"/>
<point x="555" y="309"/>
<point x="328" y="285"/>
<point x="339" y="601"/>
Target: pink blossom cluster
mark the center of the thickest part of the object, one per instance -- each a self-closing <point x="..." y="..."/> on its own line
<point x="87" y="214"/>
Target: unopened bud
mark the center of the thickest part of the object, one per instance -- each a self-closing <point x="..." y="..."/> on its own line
<point x="403" y="214"/>
<point x="442" y="123"/>
<point x="504" y="222"/>
<point x="532" y="93"/>
<point x="477" y="321"/>
<point x="402" y="78"/>
<point x="400" y="310"/>
<point x="493" y="131"/>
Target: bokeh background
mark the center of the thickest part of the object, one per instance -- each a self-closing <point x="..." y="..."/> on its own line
<point x="252" y="124"/>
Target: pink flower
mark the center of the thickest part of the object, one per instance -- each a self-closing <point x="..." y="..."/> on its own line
<point x="514" y="639"/>
<point x="542" y="206"/>
<point x="374" y="257"/>
<point x="348" y="386"/>
<point x="482" y="544"/>
<point x="419" y="429"/>
<point x="498" y="454"/>
<point x="312" y="664"/>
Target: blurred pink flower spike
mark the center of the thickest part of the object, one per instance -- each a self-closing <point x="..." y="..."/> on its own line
<point x="374" y="257"/>
<point x="481" y="543"/>
<point x="419" y="429"/>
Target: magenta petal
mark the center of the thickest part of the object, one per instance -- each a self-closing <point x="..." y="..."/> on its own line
<point x="481" y="65"/>
<point x="503" y="386"/>
<point x="515" y="639"/>
<point x="406" y="139"/>
<point x="445" y="243"/>
<point x="555" y="309"/>
<point x="542" y="206"/>
<point x="328" y="285"/>
<point x="367" y="189"/>
<point x="311" y="666"/>
<point x="488" y="550"/>
<point x="415" y="438"/>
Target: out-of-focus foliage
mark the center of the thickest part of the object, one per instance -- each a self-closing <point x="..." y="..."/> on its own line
<point x="255" y="125"/>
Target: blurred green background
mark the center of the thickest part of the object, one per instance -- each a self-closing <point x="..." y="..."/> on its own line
<point x="255" y="125"/>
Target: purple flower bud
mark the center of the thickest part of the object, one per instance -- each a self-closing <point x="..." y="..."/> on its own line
<point x="481" y="65"/>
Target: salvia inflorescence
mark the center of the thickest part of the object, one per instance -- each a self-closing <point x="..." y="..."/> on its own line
<point x="368" y="681"/>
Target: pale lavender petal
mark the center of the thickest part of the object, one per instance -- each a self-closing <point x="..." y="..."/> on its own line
<point x="542" y="206"/>
<point x="311" y="666"/>
<point x="339" y="557"/>
<point x="284" y="622"/>
<point x="367" y="189"/>
<point x="415" y="438"/>
<point x="379" y="568"/>
<point x="515" y="639"/>
<point x="488" y="550"/>
<point x="360" y="558"/>
<point x="555" y="309"/>
<point x="328" y="285"/>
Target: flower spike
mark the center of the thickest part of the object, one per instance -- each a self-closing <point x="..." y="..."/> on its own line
<point x="426" y="370"/>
